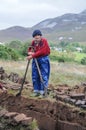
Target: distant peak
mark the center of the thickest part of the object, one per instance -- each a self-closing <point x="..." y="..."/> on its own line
<point x="83" y="12"/>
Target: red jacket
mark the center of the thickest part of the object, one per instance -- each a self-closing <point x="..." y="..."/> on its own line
<point x="42" y="49"/>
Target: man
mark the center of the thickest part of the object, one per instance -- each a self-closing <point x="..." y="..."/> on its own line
<point x="41" y="52"/>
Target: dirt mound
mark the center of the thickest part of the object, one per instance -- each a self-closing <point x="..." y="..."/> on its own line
<point x="61" y="111"/>
<point x="14" y="120"/>
<point x="14" y="77"/>
<point x="48" y="113"/>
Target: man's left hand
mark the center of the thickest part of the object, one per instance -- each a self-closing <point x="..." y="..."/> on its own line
<point x="29" y="57"/>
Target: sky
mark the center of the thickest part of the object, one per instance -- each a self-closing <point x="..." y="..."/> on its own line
<point x="28" y="13"/>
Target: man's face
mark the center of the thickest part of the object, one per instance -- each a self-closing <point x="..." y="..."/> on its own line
<point x="37" y="38"/>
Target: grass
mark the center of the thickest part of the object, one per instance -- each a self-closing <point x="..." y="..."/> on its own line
<point x="61" y="73"/>
<point x="70" y="74"/>
<point x="79" y="56"/>
<point x="74" y="57"/>
<point x="33" y="125"/>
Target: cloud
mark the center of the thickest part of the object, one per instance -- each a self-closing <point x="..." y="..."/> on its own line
<point x="30" y="12"/>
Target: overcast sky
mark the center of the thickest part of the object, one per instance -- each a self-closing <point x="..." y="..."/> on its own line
<point x="27" y="13"/>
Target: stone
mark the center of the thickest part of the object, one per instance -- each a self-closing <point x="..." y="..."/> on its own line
<point x="27" y="121"/>
<point x="20" y="117"/>
<point x="64" y="125"/>
<point x="3" y="112"/>
<point x="10" y="114"/>
<point x="3" y="76"/>
<point x="14" y="77"/>
<point x="1" y="126"/>
<point x="1" y="86"/>
<point x="78" y="96"/>
<point x="83" y="102"/>
<point x="61" y="97"/>
<point x="78" y="103"/>
<point x="1" y="70"/>
<point x="83" y="106"/>
<point x="71" y="101"/>
<point x="71" y="116"/>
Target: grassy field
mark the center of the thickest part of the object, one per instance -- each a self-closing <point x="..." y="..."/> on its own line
<point x="70" y="57"/>
<point x="61" y="73"/>
<point x="79" y="56"/>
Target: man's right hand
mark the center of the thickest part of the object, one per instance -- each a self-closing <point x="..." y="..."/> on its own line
<point x="29" y="57"/>
<point x="30" y="53"/>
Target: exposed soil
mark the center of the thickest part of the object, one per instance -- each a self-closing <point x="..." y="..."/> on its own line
<point x="53" y="113"/>
<point x="46" y="112"/>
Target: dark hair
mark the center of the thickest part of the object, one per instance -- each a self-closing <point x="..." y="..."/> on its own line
<point x="36" y="32"/>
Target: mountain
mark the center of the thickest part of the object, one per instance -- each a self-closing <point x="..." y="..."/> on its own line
<point x="64" y="22"/>
<point x="66" y="27"/>
<point x="15" y="32"/>
<point x="69" y="26"/>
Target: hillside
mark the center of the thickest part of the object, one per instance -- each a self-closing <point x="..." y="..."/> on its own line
<point x="70" y="27"/>
<point x="15" y="32"/>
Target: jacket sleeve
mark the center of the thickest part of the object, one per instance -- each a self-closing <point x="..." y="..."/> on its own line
<point x="44" y="50"/>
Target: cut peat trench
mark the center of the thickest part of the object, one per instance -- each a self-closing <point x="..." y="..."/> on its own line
<point x="51" y="115"/>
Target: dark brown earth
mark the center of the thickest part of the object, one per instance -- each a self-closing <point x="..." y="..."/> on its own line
<point x="48" y="113"/>
<point x="61" y="111"/>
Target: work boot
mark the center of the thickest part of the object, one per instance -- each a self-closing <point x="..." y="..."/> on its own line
<point x="41" y="96"/>
<point x="34" y="94"/>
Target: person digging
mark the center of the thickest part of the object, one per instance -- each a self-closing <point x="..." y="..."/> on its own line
<point x="40" y="64"/>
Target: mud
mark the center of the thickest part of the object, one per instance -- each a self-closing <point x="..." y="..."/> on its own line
<point x="61" y="111"/>
<point x="48" y="113"/>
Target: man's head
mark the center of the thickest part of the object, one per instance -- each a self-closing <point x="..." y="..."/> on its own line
<point x="37" y="35"/>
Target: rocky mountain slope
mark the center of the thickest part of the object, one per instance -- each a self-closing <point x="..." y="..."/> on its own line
<point x="70" y="27"/>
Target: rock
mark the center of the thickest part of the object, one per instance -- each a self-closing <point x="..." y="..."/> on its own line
<point x="61" y="97"/>
<point x="20" y="117"/>
<point x="27" y="121"/>
<point x="3" y="76"/>
<point x="78" y="96"/>
<point x="83" y="106"/>
<point x="78" y="103"/>
<point x="3" y="112"/>
<point x="3" y="89"/>
<point x="1" y="126"/>
<point x="71" y="101"/>
<point x="71" y="116"/>
<point x="1" y="86"/>
<point x="63" y="125"/>
<point x="85" y="92"/>
<point x="83" y="102"/>
<point x="1" y="70"/>
<point x="84" y="83"/>
<point x="14" y="120"/>
<point x="23" y="119"/>
<point x="10" y="114"/>
<point x="13" y="77"/>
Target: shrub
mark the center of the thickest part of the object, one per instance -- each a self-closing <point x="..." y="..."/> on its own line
<point x="83" y="61"/>
<point x="8" y="53"/>
<point x="62" y="56"/>
<point x="4" y="55"/>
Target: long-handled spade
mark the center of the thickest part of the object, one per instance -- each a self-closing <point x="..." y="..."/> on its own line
<point x="21" y="88"/>
<point x="45" y="88"/>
